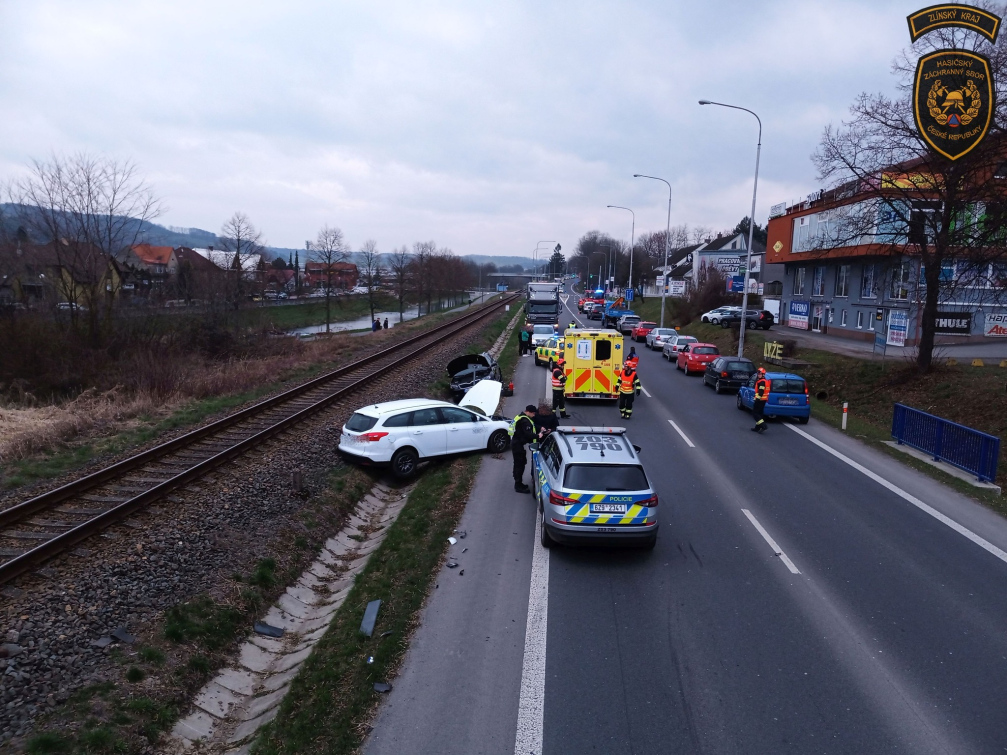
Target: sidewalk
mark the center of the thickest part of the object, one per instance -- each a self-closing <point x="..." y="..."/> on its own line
<point x="865" y="349"/>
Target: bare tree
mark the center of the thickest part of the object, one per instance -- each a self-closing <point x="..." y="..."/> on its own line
<point x="892" y="195"/>
<point x="400" y="263"/>
<point x="240" y="240"/>
<point x="422" y="270"/>
<point x="329" y="249"/>
<point x="86" y="210"/>
<point x="370" y="270"/>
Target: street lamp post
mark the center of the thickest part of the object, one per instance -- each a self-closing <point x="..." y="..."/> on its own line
<point x="608" y="264"/>
<point x="535" y="258"/>
<point x="751" y="220"/>
<point x="632" y="238"/>
<point x="667" y="240"/>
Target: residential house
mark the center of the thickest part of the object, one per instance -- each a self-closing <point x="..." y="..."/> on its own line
<point x="344" y="275"/>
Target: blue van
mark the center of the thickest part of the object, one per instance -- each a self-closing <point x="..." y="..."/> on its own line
<point x="788" y="396"/>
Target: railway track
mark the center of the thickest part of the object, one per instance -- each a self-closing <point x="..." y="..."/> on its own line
<point x="35" y="530"/>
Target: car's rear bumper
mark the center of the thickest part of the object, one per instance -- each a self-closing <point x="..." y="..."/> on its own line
<point x="356" y="456"/>
<point x="593" y="534"/>
<point x="775" y="410"/>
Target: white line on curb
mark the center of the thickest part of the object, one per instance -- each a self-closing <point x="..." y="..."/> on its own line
<point x="772" y="543"/>
<point x="981" y="542"/>
<point x="684" y="436"/>
<point x="645" y="392"/>
<point x="531" y="704"/>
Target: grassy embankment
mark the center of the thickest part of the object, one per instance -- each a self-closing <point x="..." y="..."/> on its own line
<point x="972" y="396"/>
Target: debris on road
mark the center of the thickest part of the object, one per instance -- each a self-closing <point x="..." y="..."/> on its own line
<point x="267" y="630"/>
<point x="382" y="687"/>
<point x="370" y="616"/>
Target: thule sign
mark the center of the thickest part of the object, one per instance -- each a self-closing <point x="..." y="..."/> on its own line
<point x="954" y="323"/>
<point x="996" y="325"/>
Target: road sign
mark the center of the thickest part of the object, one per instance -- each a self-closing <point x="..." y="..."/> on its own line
<point x="629" y="294"/>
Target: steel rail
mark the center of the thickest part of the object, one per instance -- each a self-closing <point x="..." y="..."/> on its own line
<point x="63" y="541"/>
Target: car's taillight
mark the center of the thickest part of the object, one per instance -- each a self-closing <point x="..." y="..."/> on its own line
<point x="723" y="374"/>
<point x="649" y="503"/>
<point x="371" y="437"/>
<point x="557" y="500"/>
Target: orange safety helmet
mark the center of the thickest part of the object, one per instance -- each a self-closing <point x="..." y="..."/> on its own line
<point x="761" y="370"/>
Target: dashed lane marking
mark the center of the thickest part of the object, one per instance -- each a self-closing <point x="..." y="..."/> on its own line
<point x="772" y="543"/>
<point x="981" y="542"/>
<point x="684" y="436"/>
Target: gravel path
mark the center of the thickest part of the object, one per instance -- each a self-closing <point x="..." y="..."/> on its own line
<point x="169" y="553"/>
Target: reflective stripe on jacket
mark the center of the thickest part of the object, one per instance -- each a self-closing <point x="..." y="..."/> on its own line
<point x="558" y="379"/>
<point x="629" y="381"/>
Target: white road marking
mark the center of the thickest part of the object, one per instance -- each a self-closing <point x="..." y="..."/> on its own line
<point x="684" y="436"/>
<point x="981" y="542"/>
<point x="772" y="543"/>
<point x="531" y="704"/>
<point x="648" y="395"/>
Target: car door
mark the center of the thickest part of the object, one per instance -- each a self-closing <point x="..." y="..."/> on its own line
<point x="747" y="392"/>
<point x="683" y="355"/>
<point x="428" y="433"/>
<point x="464" y="430"/>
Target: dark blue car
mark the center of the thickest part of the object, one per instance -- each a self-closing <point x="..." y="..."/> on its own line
<point x="788" y="396"/>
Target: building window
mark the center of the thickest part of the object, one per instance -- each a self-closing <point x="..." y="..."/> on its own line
<point x="901" y="278"/>
<point x="818" y="284"/>
<point x="868" y="288"/>
<point x="843" y="281"/>
<point x="860" y="320"/>
<point x="799" y="281"/>
<point x="870" y="321"/>
<point x="842" y="318"/>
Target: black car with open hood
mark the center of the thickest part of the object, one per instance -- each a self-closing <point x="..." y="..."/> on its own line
<point x="465" y="371"/>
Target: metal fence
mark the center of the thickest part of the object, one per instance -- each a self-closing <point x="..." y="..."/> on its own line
<point x="965" y="448"/>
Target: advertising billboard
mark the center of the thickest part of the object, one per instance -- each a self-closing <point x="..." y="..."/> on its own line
<point x="954" y="323"/>
<point x="799" y="314"/>
<point x="898" y="327"/>
<point x="996" y="325"/>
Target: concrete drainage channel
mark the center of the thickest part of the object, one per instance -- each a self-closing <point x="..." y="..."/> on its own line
<point x="231" y="708"/>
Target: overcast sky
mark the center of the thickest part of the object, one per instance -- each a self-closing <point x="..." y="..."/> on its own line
<point x="485" y="126"/>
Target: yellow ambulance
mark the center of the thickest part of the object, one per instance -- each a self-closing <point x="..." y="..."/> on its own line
<point x="593" y="357"/>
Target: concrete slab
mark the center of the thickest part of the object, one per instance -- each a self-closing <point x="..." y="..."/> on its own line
<point x="194" y="727"/>
<point x="238" y="680"/>
<point x="216" y="700"/>
<point x="255" y="658"/>
<point x="303" y="594"/>
<point x="322" y="571"/>
<point x="282" y="679"/>
<point x="267" y="643"/>
<point x="259" y="705"/>
<point x="961" y="474"/>
<point x="336" y="547"/>
<point x="315" y="635"/>
<point x="247" y="728"/>
<point x="294" y="607"/>
<point x="278" y="618"/>
<point x="292" y="660"/>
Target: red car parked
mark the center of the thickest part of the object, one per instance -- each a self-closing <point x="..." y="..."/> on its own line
<point x="639" y="333"/>
<point x="695" y="356"/>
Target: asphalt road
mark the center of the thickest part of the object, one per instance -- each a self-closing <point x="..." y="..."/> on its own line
<point x="880" y="627"/>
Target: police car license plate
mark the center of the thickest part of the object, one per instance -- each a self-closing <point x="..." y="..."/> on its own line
<point x="608" y="508"/>
<point x="788" y="401"/>
<point x="607" y="529"/>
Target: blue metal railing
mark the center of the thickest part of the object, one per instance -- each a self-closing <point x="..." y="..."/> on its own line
<point x="961" y="446"/>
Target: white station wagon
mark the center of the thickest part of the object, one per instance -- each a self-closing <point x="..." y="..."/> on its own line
<point x="400" y="434"/>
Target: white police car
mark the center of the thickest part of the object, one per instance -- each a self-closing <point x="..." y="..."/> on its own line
<point x="591" y="488"/>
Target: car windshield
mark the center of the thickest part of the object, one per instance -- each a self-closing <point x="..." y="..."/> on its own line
<point x="705" y="350"/>
<point x="543" y="330"/>
<point x="360" y="423"/>
<point x="541" y="309"/>
<point x="605" y="477"/>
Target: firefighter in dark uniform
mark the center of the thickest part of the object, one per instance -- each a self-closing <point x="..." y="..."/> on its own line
<point x="629" y="389"/>
<point x="523" y="433"/>
<point x="762" y="385"/>
<point x="559" y="388"/>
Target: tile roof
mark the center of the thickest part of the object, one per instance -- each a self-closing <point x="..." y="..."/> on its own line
<point x="152" y="255"/>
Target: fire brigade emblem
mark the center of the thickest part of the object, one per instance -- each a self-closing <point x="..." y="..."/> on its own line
<point x="953" y="101"/>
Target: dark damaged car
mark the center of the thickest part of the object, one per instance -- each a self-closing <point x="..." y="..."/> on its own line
<point x="465" y="371"/>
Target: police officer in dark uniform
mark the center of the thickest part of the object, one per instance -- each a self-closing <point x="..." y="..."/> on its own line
<point x="759" y="400"/>
<point x="524" y="433"/>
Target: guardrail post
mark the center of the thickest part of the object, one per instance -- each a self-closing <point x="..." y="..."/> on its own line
<point x="939" y="441"/>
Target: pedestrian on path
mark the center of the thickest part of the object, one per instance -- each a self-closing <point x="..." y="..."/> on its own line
<point x="375" y="326"/>
<point x="762" y="385"/>
<point x="523" y="432"/>
<point x="629" y="389"/>
<point x="524" y="339"/>
<point x="386" y="323"/>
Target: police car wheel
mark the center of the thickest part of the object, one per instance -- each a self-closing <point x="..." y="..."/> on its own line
<point x="545" y="538"/>
<point x="499" y="441"/>
<point x="404" y="463"/>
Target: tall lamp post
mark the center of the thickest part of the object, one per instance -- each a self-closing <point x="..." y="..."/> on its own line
<point x="539" y="244"/>
<point x="608" y="264"/>
<point x="751" y="220"/>
<point x="632" y="238"/>
<point x="667" y="240"/>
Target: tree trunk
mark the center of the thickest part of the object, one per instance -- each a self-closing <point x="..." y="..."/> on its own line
<point x="928" y="322"/>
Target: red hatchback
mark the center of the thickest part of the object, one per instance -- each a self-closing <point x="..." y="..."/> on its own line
<point x="639" y="333"/>
<point x="695" y="356"/>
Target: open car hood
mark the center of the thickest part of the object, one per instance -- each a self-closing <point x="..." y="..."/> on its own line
<point x="462" y="363"/>
<point x="483" y="397"/>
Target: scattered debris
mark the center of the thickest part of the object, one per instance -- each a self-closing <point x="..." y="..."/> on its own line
<point x="122" y="635"/>
<point x="370" y="616"/>
<point x="102" y="642"/>
<point x="267" y="629"/>
<point x="385" y="634"/>
<point x="382" y="687"/>
<point x="370" y="659"/>
<point x="461" y="573"/>
<point x="464" y="549"/>
<point x="452" y="565"/>
<point x="452" y="540"/>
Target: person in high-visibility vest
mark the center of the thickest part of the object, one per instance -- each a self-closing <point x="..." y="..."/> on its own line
<point x="522" y="432"/>
<point x="762" y="386"/>
<point x="572" y="324"/>
<point x="629" y="389"/>
<point x="633" y="359"/>
<point x="558" y="389"/>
